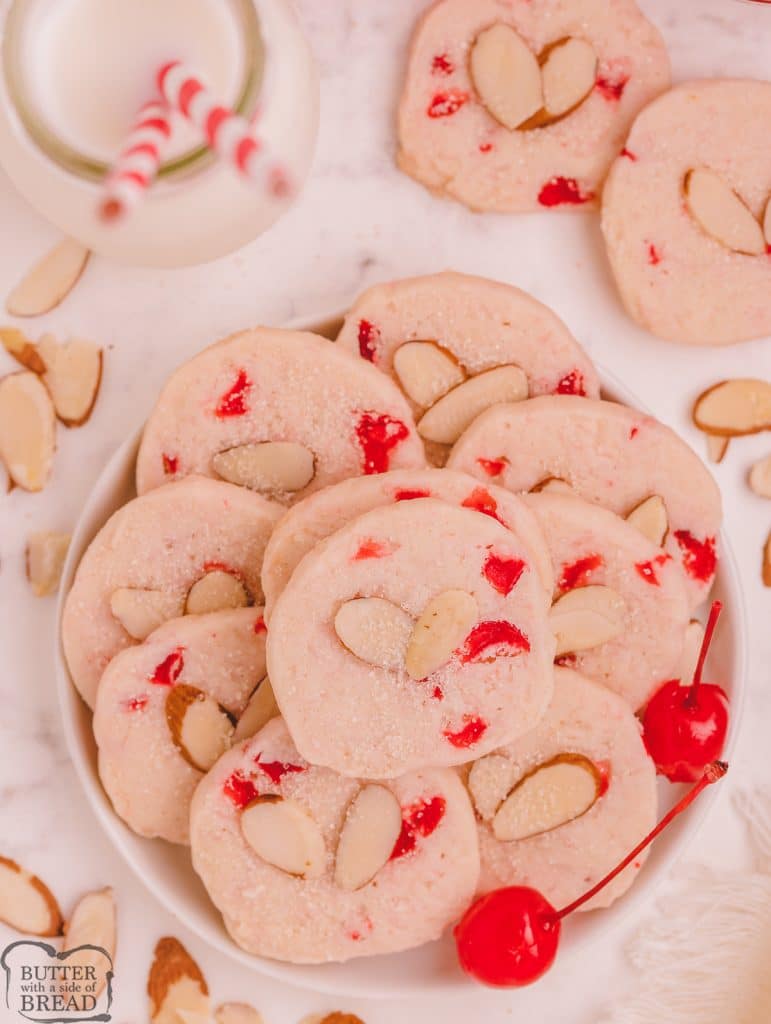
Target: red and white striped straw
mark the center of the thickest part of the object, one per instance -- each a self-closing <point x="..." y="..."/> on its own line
<point x="138" y="163"/>
<point x="226" y="132"/>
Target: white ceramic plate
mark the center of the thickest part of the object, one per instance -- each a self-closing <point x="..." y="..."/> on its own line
<point x="167" y="872"/>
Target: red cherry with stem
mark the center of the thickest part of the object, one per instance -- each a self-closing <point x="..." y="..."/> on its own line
<point x="684" y="727"/>
<point x="510" y="936"/>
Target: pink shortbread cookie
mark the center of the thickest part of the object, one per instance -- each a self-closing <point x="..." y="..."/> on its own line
<point x="147" y="775"/>
<point x="326" y="511"/>
<point x="451" y="142"/>
<point x="591" y="546"/>
<point x="588" y="721"/>
<point x="378" y="716"/>
<point x="334" y="416"/>
<point x="675" y="277"/>
<point x="609" y="454"/>
<point x="163" y="542"/>
<point x="424" y="885"/>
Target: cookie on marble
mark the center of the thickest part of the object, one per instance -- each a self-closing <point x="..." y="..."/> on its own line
<point x="307" y="866"/>
<point x="523" y="106"/>
<point x="686" y="214"/>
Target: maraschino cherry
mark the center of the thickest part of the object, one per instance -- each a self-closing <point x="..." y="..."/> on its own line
<point x="684" y="727"/>
<point x="510" y="936"/>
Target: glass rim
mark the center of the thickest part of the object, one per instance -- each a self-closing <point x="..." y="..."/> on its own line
<point x="85" y="166"/>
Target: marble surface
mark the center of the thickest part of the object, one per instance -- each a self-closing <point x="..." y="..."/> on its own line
<point x="358" y="221"/>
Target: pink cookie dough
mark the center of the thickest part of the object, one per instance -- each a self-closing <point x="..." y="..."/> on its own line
<point x="426" y="884"/>
<point x="609" y="454"/>
<point x="146" y="776"/>
<point x="591" y="546"/>
<point x="587" y="720"/>
<point x="326" y="511"/>
<point x="270" y="385"/>
<point x="449" y="140"/>
<point x="675" y="278"/>
<point x="373" y="719"/>
<point x="164" y="541"/>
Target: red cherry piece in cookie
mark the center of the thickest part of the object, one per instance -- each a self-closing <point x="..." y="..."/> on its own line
<point x="239" y="790"/>
<point x="170" y="464"/>
<point x="276" y="770"/>
<point x="648" y="569"/>
<point x="170" y="669"/>
<point x="405" y="494"/>
<point x="629" y="154"/>
<point x="493" y="467"/>
<point x="500" y="636"/>
<point x="447" y="103"/>
<point x="420" y="819"/>
<point x="510" y="937"/>
<point x="699" y="556"/>
<point x="612" y="87"/>
<point x="442" y="65"/>
<point x="371" y="548"/>
<point x="259" y="625"/>
<point x="572" y="384"/>
<point x="480" y="500"/>
<point x="233" y="402"/>
<point x="137" y="703"/>
<point x="378" y="434"/>
<point x="471" y="732"/>
<point x="369" y="336"/>
<point x="502" y="573"/>
<point x="684" y="727"/>
<point x="559" y="191"/>
<point x="576" y="574"/>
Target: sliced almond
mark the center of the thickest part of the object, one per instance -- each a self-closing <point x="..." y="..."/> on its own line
<point x="553" y="485"/>
<point x="45" y="556"/>
<point x="21" y="348"/>
<point x="586" y="617"/>
<point x="506" y="75"/>
<point x="27" y="430"/>
<point x="237" y="1013"/>
<point x="650" y="518"/>
<point x="375" y="630"/>
<point x="767" y="223"/>
<point x="49" y="281"/>
<point x="426" y="372"/>
<point x="760" y="477"/>
<point x="26" y="904"/>
<point x="340" y="1018"/>
<point x="448" y="418"/>
<point x="694" y="634"/>
<point x="73" y="373"/>
<point x="283" y="834"/>
<point x="442" y="627"/>
<point x="202" y="730"/>
<point x="176" y="985"/>
<point x="767" y="562"/>
<point x="569" y="72"/>
<point x="140" y="611"/>
<point x="551" y="795"/>
<point x="93" y="923"/>
<point x="262" y="707"/>
<point x="489" y="782"/>
<point x="722" y="213"/>
<point x="370" y="831"/>
<point x="734" y="407"/>
<point x="717" y="446"/>
<point x="214" y="592"/>
<point x="271" y="467"/>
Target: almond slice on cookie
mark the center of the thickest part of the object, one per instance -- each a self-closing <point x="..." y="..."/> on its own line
<point x="368" y="837"/>
<point x="284" y="835"/>
<point x="587" y="617"/>
<point x="551" y="795"/>
<point x="374" y="630"/>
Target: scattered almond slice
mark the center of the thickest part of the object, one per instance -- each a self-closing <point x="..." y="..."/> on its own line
<point x="650" y="518"/>
<point x="17" y="344"/>
<point x="45" y="556"/>
<point x="586" y="617"/>
<point x="489" y="782"/>
<point x="271" y="467"/>
<point x="73" y="373"/>
<point x="49" y="281"/>
<point x="426" y="372"/>
<point x="722" y="213"/>
<point x="552" y="485"/>
<point x="237" y="1013"/>
<point x="767" y="562"/>
<point x="448" y="418"/>
<point x="262" y="707"/>
<point x="93" y="923"/>
<point x="551" y="795"/>
<point x="369" y="834"/>
<point x="506" y="75"/>
<point x="140" y="612"/>
<point x="214" y="592"/>
<point x="27" y="430"/>
<point x="202" y="730"/>
<point x="734" y="408"/>
<point x="176" y="985"/>
<point x="717" y="446"/>
<point x="760" y="477"/>
<point x="694" y="634"/>
<point x="569" y="71"/>
<point x="283" y="834"/>
<point x="26" y="903"/>
<point x="375" y="630"/>
<point x="441" y="628"/>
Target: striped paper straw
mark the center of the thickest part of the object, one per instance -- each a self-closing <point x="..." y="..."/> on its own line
<point x="137" y="164"/>
<point x="226" y="132"/>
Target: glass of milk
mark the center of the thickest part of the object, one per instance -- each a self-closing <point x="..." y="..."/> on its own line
<point x="74" y="76"/>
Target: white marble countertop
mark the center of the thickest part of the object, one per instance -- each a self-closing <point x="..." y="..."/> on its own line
<point x="358" y="221"/>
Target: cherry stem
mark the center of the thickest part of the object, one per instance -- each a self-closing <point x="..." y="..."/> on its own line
<point x="712" y="773"/>
<point x="709" y="629"/>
